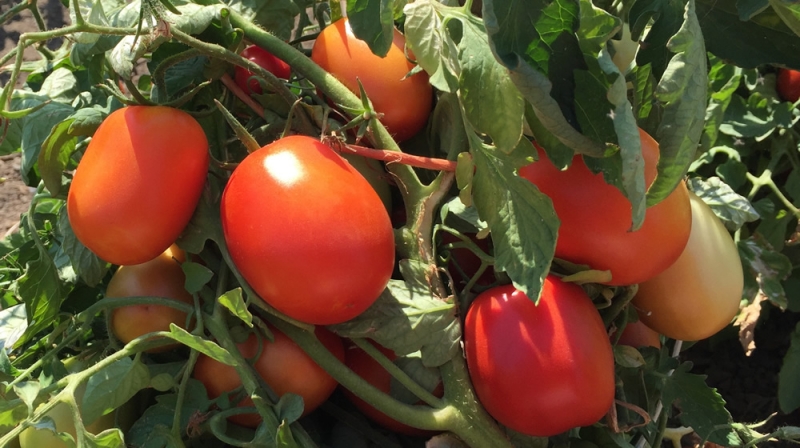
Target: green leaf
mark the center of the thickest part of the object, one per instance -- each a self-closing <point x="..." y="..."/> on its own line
<point x="197" y="276"/>
<point x="683" y="89"/>
<point x="54" y="155"/>
<point x="789" y="12"/>
<point x="372" y="22"/>
<point x="731" y="208"/>
<point x="41" y="290"/>
<point x="112" y="387"/>
<point x="204" y="346"/>
<point x="764" y="270"/>
<point x="153" y="428"/>
<point x="89" y="267"/>
<point x="522" y="220"/>
<point x="92" y="12"/>
<point x="788" y="386"/>
<point x="284" y="437"/>
<point x="701" y="407"/>
<point x="426" y="377"/>
<point x="667" y="16"/>
<point x="60" y="86"/>
<point x="85" y="121"/>
<point x="435" y="51"/>
<point x="36" y="128"/>
<point x="750" y="8"/>
<point x="28" y="391"/>
<point x="627" y="356"/>
<point x="233" y="301"/>
<point x="289" y="408"/>
<point x="403" y="307"/>
<point x="110" y="438"/>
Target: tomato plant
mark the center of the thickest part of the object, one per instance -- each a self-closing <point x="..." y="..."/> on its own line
<point x="699" y="294"/>
<point x="128" y="202"/>
<point x="528" y="362"/>
<point x="596" y="219"/>
<point x="298" y="257"/>
<point x="282" y="364"/>
<point x="160" y="277"/>
<point x="789" y="84"/>
<point x="266" y="60"/>
<point x="405" y="102"/>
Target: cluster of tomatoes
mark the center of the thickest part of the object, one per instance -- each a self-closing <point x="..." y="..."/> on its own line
<point x="683" y="259"/>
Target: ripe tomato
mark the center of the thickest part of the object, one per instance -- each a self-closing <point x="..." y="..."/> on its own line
<point x="540" y="370"/>
<point x="159" y="277"/>
<point x="375" y="174"/>
<point x="404" y="103"/>
<point x="138" y="183"/>
<point x="638" y="335"/>
<point x="307" y="232"/>
<point x="595" y="219"/>
<point x="266" y="60"/>
<point x="372" y="372"/>
<point x="700" y="293"/>
<point x="283" y="365"/>
<point x="789" y="84"/>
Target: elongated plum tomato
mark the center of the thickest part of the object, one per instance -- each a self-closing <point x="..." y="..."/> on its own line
<point x="266" y="60"/>
<point x="307" y="231"/>
<point x="282" y="364"/>
<point x="404" y="103"/>
<point x="544" y="369"/>
<point x="138" y="183"/>
<point x="159" y="277"/>
<point x="596" y="218"/>
<point x="700" y="293"/>
<point x="789" y="84"/>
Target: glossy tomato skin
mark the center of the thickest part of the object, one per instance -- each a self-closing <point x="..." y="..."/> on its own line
<point x="159" y="277"/>
<point x="138" y="183"/>
<point x="789" y="84"/>
<point x="595" y="219"/>
<point x="283" y="365"/>
<point x="372" y="372"/>
<point x="700" y="293"/>
<point x="404" y="103"/>
<point x="638" y="335"/>
<point x="539" y="370"/>
<point x="266" y="60"/>
<point x="307" y="231"/>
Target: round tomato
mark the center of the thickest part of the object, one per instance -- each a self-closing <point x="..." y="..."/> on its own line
<point x="138" y="183"/>
<point x="266" y="60"/>
<point x="404" y="102"/>
<point x="596" y="218"/>
<point x="159" y="277"/>
<point x="307" y="232"/>
<point x="372" y="372"/>
<point x="789" y="84"/>
<point x="638" y="335"/>
<point x="540" y="370"/>
<point x="283" y="365"/>
<point x="700" y="293"/>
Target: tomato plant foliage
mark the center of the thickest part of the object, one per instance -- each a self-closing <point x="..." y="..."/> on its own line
<point x="271" y="253"/>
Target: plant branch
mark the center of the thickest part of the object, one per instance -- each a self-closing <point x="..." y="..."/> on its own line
<point x="390" y="157"/>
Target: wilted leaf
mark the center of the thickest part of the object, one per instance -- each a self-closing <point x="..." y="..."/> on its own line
<point x="747" y="321"/>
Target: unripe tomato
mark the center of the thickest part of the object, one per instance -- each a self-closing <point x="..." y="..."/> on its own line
<point x="596" y="218"/>
<point x="266" y="60"/>
<point x="624" y="49"/>
<point x="159" y="277"/>
<point x="789" y="84"/>
<point x="404" y="103"/>
<point x="372" y="372"/>
<point x="638" y="335"/>
<point x="700" y="293"/>
<point x="307" y="232"/>
<point x="283" y="365"/>
<point x="138" y="183"/>
<point x="540" y="370"/>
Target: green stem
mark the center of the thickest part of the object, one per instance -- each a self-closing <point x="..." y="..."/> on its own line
<point x="188" y="369"/>
<point x="18" y="8"/>
<point x="86" y="315"/>
<point x="76" y="8"/>
<point x="72" y="337"/>
<point x="765" y="180"/>
<point x="398" y="373"/>
<point x="618" y="305"/>
<point x="662" y="427"/>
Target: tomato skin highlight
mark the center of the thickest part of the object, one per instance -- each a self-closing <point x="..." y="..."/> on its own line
<point x="404" y="103"/>
<point x="596" y="218"/>
<point x="700" y="293"/>
<point x="283" y="365"/>
<point x="265" y="59"/>
<point x="307" y="231"/>
<point x="138" y="183"/>
<point x="788" y="84"/>
<point x="540" y="370"/>
<point x="159" y="277"/>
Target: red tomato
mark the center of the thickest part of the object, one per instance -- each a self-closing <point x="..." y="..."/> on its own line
<point x="266" y="60"/>
<point x="789" y="84"/>
<point x="540" y="370"/>
<point x="283" y="365"/>
<point x="638" y="335"/>
<point x="404" y="103"/>
<point x="372" y="372"/>
<point x="700" y="293"/>
<point x="307" y="232"/>
<point x="138" y="183"/>
<point x="159" y="277"/>
<point x="595" y="219"/>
